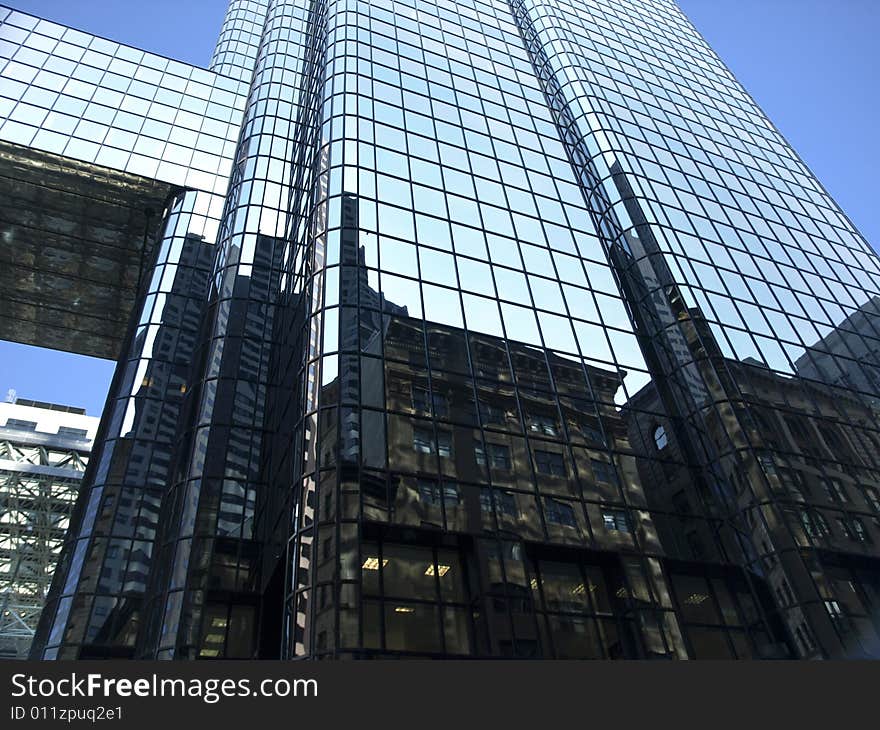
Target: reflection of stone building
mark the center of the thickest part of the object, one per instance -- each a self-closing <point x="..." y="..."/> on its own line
<point x="804" y="460"/>
<point x="853" y="363"/>
<point x="501" y="511"/>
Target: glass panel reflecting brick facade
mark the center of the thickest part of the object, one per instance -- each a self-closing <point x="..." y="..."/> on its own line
<point x="497" y="329"/>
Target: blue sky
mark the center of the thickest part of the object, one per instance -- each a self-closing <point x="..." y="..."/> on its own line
<point x="812" y="65"/>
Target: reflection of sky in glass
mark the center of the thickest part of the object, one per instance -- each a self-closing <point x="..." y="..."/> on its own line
<point x="482" y="206"/>
<point x="94" y="100"/>
<point x="764" y="253"/>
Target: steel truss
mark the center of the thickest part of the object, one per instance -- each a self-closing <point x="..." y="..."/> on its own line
<point x="38" y="488"/>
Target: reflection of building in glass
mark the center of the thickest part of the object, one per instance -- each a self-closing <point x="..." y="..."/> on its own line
<point x="471" y="328"/>
<point x="847" y="355"/>
<point x="803" y="459"/>
<point x="501" y="509"/>
<point x="131" y="464"/>
<point x="44" y="449"/>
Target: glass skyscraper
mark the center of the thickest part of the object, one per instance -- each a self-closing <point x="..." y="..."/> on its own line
<point x="459" y="328"/>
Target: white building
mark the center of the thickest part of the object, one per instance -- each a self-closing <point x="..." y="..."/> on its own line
<point x="44" y="449"/>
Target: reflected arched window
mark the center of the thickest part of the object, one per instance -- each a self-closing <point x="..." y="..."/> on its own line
<point x="660" y="438"/>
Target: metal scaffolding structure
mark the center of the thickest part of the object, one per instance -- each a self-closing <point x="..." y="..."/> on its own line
<point x="39" y="481"/>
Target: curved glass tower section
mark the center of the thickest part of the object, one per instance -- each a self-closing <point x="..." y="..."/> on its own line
<point x="748" y="285"/>
<point x="239" y="41"/>
<point x="494" y="328"/>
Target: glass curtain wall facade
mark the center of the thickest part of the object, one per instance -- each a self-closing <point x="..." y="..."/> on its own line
<point x="496" y="329"/>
